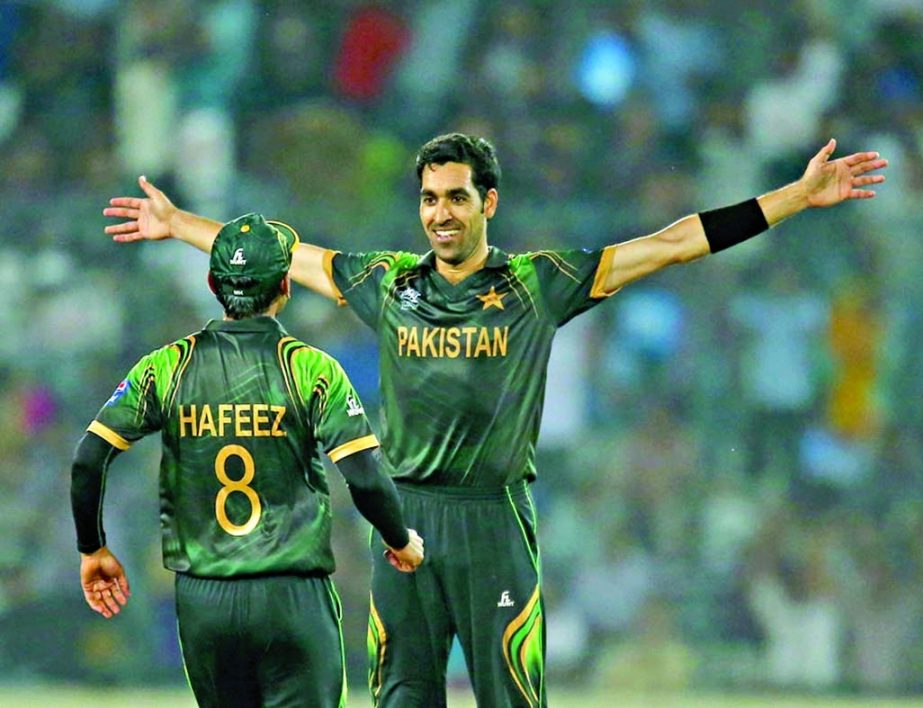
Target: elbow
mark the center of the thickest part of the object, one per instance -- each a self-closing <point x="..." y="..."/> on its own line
<point x="683" y="248"/>
<point x="689" y="255"/>
<point x="691" y="243"/>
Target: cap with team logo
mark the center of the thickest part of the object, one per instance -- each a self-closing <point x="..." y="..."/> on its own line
<point x="254" y="248"/>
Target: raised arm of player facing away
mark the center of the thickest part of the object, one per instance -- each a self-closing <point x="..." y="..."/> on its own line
<point x="824" y="183"/>
<point x="376" y="498"/>
<point x="104" y="583"/>
<point x="155" y="217"/>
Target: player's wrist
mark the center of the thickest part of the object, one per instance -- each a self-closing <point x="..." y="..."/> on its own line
<point x="88" y="551"/>
<point x="174" y="220"/>
<point x="400" y="543"/>
<point x="803" y="194"/>
<point x="730" y="225"/>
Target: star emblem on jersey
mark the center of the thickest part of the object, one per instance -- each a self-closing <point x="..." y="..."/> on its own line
<point x="492" y="299"/>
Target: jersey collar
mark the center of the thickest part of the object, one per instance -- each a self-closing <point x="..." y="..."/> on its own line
<point x="261" y="323"/>
<point x="495" y="259"/>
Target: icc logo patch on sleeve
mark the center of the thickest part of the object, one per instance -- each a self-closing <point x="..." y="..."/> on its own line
<point x="119" y="392"/>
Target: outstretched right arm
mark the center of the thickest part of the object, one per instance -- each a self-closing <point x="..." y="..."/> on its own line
<point x="154" y="217"/>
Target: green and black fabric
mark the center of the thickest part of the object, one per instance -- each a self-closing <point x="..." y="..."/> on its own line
<point x="463" y="371"/>
<point x="262" y="641"/>
<point x="244" y="410"/>
<point x="463" y="367"/>
<point x="480" y="581"/>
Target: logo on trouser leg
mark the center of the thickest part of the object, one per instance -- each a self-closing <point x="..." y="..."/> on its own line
<point x="505" y="600"/>
<point x="524" y="651"/>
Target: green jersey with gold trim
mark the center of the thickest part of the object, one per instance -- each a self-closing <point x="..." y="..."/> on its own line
<point x="243" y="410"/>
<point x="463" y="367"/>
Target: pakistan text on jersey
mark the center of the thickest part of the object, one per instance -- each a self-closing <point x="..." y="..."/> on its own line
<point x="452" y="342"/>
<point x="243" y="420"/>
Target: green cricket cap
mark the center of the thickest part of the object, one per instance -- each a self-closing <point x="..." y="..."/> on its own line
<point x="252" y="247"/>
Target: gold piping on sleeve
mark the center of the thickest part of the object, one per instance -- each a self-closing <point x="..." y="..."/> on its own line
<point x="352" y="447"/>
<point x="109" y="435"/>
<point x="602" y="272"/>
<point x="328" y="269"/>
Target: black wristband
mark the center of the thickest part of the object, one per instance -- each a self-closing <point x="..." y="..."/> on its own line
<point x="728" y="226"/>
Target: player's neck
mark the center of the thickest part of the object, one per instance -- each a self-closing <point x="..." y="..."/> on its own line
<point x="455" y="273"/>
<point x="275" y="307"/>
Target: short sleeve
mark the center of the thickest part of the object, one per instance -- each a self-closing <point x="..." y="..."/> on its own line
<point x="133" y="410"/>
<point x="570" y="280"/>
<point x="336" y="413"/>
<point x="358" y="278"/>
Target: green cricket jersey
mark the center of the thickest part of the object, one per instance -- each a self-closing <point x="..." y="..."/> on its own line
<point x="463" y="366"/>
<point x="243" y="409"/>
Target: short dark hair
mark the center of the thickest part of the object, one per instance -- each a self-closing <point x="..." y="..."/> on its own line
<point x="239" y="307"/>
<point x="478" y="153"/>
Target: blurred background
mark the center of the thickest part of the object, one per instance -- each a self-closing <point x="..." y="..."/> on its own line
<point x="731" y="464"/>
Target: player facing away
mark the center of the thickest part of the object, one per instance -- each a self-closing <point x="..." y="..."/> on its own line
<point x="465" y="332"/>
<point x="243" y="410"/>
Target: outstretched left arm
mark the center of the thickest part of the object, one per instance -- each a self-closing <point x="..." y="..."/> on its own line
<point x="824" y="183"/>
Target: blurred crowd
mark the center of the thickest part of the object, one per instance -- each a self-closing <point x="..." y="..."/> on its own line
<point x="731" y="466"/>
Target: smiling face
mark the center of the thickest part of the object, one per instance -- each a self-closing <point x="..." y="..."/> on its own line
<point x="453" y="214"/>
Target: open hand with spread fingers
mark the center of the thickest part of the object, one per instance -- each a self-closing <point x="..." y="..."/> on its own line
<point x="144" y="217"/>
<point x="827" y="182"/>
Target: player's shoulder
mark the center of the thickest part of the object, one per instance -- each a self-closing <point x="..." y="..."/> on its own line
<point x="555" y="255"/>
<point x="178" y="348"/>
<point x="306" y="356"/>
<point x="566" y="260"/>
<point x="383" y="259"/>
<point x="293" y="344"/>
<point x="531" y="260"/>
<point x="162" y="363"/>
<point x="396" y="262"/>
<point x="380" y="267"/>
